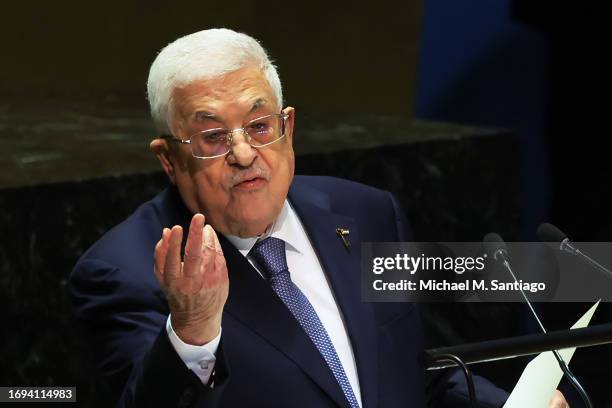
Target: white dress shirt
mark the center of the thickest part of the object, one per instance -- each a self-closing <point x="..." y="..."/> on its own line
<point x="307" y="274"/>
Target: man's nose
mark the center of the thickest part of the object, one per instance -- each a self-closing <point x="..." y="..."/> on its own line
<point x="241" y="152"/>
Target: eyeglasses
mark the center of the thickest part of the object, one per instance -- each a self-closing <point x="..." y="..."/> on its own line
<point x="212" y="143"/>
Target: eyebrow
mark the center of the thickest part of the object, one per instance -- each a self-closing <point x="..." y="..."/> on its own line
<point x="259" y="103"/>
<point x="205" y="115"/>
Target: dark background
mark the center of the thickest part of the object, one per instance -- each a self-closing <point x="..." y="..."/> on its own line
<point x="72" y="82"/>
<point x="359" y="56"/>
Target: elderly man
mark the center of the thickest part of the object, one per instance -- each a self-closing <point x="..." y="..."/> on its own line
<point x="251" y="298"/>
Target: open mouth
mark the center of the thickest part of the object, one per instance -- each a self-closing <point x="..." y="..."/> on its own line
<point x="251" y="183"/>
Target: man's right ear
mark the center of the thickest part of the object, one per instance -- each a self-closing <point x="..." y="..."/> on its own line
<point x="160" y="148"/>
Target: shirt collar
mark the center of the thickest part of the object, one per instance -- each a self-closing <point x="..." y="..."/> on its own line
<point x="286" y="227"/>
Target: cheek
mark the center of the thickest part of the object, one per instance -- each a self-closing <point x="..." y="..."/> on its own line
<point x="208" y="186"/>
<point x="291" y="164"/>
<point x="279" y="187"/>
<point x="288" y="168"/>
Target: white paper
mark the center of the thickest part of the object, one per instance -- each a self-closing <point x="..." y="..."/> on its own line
<point x="542" y="375"/>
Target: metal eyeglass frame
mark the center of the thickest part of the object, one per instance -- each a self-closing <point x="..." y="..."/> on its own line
<point x="230" y="136"/>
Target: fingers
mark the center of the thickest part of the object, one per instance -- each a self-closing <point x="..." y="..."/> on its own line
<point x="219" y="258"/>
<point x="213" y="255"/>
<point x="208" y="249"/>
<point x="172" y="265"/>
<point x="203" y="252"/>
<point x="209" y="240"/>
<point x="193" y="247"/>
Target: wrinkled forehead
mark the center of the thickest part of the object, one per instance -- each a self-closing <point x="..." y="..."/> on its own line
<point x="245" y="89"/>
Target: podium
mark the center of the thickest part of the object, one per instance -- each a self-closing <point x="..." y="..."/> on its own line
<point x="517" y="346"/>
<point x="494" y="350"/>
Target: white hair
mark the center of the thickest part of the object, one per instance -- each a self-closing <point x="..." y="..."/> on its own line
<point x="206" y="54"/>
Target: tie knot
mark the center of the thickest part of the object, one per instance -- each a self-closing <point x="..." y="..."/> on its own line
<point x="270" y="255"/>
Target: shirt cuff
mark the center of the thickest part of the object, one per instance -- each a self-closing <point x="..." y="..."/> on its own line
<point x="199" y="359"/>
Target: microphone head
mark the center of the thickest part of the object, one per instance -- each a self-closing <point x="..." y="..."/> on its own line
<point x="549" y="233"/>
<point x="493" y="237"/>
<point x="493" y="243"/>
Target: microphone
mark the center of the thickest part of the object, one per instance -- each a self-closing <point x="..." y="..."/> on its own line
<point x="547" y="232"/>
<point x="495" y="244"/>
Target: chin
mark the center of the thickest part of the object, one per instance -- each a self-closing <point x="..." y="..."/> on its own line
<point x="252" y="226"/>
<point x="251" y="232"/>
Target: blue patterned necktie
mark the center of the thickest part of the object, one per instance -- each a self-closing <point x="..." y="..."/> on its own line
<point x="270" y="256"/>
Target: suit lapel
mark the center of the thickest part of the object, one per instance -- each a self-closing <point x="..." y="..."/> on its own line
<point x="252" y="301"/>
<point x="343" y="269"/>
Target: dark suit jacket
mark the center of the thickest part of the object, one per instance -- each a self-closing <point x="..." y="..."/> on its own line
<point x="265" y="359"/>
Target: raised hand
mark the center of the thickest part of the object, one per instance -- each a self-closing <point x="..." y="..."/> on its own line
<point x="196" y="288"/>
